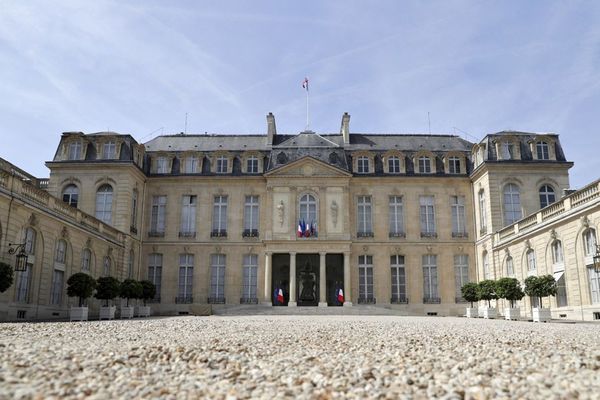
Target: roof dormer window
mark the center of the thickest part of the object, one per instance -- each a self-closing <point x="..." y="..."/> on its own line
<point x="508" y="151"/>
<point x="109" y="150"/>
<point x="252" y="165"/>
<point x="222" y="164"/>
<point x="424" y="165"/>
<point x="394" y="165"/>
<point x="161" y="165"/>
<point x="454" y="165"/>
<point x="542" y="151"/>
<point x="74" y="152"/>
<point x="363" y="165"/>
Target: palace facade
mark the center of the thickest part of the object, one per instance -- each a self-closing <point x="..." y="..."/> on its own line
<point x="323" y="220"/>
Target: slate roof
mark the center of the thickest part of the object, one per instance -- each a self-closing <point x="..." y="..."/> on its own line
<point x="523" y="138"/>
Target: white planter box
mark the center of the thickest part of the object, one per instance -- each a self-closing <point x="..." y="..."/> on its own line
<point x="480" y="312"/>
<point x="143" y="311"/>
<point x="512" y="314"/>
<point x="107" y="312"/>
<point x="127" y="312"/>
<point x="541" y="315"/>
<point x="472" y="312"/>
<point x="78" y="314"/>
<point x="489" y="312"/>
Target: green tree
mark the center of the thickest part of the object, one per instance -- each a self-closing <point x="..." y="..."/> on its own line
<point x="80" y="285"/>
<point x="469" y="292"/>
<point x="108" y="288"/>
<point x="487" y="290"/>
<point x="6" y="277"/>
<point x="148" y="290"/>
<point x="131" y="289"/>
<point x="540" y="286"/>
<point x="509" y="289"/>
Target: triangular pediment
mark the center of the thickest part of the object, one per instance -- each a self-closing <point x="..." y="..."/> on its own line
<point x="308" y="167"/>
<point x="307" y="139"/>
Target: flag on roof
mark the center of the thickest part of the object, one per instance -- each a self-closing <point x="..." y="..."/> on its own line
<point x="305" y="84"/>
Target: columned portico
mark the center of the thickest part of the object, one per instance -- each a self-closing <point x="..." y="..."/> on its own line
<point x="322" y="280"/>
<point x="292" y="302"/>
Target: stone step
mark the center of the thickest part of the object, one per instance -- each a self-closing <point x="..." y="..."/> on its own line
<point x="225" y="310"/>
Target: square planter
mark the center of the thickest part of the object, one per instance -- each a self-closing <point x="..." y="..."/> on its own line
<point x="489" y="312"/>
<point x="78" y="314"/>
<point x="512" y="314"/>
<point x="127" y="312"/>
<point x="472" y="312"/>
<point x="541" y="314"/>
<point x="142" y="311"/>
<point x="480" y="312"/>
<point x="107" y="312"/>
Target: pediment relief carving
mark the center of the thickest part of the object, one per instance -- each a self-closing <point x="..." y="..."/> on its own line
<point x="307" y="167"/>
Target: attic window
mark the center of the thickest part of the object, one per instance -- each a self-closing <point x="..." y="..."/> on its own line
<point x="281" y="158"/>
<point x="333" y="158"/>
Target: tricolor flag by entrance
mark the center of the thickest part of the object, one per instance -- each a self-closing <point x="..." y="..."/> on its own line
<point x="340" y="296"/>
<point x="299" y="228"/>
<point x="280" y="296"/>
<point x="305" y="84"/>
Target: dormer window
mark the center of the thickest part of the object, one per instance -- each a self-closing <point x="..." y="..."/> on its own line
<point x="74" y="152"/>
<point x="222" y="165"/>
<point x="508" y="151"/>
<point x="424" y="165"/>
<point x="161" y="165"/>
<point x="109" y="150"/>
<point x="252" y="165"/>
<point x="363" y="165"/>
<point x="542" y="151"/>
<point x="454" y="165"/>
<point x="191" y="165"/>
<point x="394" y="165"/>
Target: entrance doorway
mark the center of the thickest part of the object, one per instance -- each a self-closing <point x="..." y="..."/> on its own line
<point x="280" y="279"/>
<point x="334" y="278"/>
<point x="307" y="279"/>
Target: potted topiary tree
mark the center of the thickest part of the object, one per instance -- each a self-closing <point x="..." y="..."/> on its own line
<point x="107" y="289"/>
<point x="510" y="289"/>
<point x="540" y="287"/>
<point x="6" y="277"/>
<point x="130" y="289"/>
<point x="470" y="294"/>
<point x="80" y="285"/>
<point x="148" y="293"/>
<point x="487" y="291"/>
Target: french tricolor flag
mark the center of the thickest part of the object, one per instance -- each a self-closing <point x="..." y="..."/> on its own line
<point x="299" y="228"/>
<point x="280" y="296"/>
<point x="305" y="84"/>
<point x="340" y="296"/>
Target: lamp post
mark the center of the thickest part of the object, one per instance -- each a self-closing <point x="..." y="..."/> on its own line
<point x="597" y="259"/>
<point x="21" y="257"/>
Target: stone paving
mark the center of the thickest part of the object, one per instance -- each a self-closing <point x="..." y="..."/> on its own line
<point x="321" y="357"/>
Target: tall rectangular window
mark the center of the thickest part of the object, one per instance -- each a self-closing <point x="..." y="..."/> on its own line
<point x="250" y="276"/>
<point x="461" y="273"/>
<point x="561" y="292"/>
<point x="162" y="165"/>
<point x="424" y="165"/>
<point x="61" y="252"/>
<point x="86" y="260"/>
<point x="57" y="287"/>
<point x="217" y="278"/>
<point x="191" y="165"/>
<point x="510" y="267"/>
<point x="186" y="275"/>
<point x="134" y="204"/>
<point x="157" y="217"/>
<point x="531" y="265"/>
<point x="430" y="279"/>
<point x="109" y="150"/>
<point x="222" y="165"/>
<point x="542" y="151"/>
<point x="23" y="284"/>
<point x="155" y="262"/>
<point x="396" y="216"/>
<point x="482" y="213"/>
<point x="74" y="151"/>
<point x="364" y="227"/>
<point x="427" y="212"/>
<point x="512" y="204"/>
<point x="188" y="215"/>
<point x="219" y="223"/>
<point x="394" y="165"/>
<point x="398" y="275"/>
<point x="594" y="279"/>
<point x="487" y="273"/>
<point x="454" y="165"/>
<point x="365" y="279"/>
<point x="363" y="165"/>
<point x="251" y="216"/>
<point x="457" y="204"/>
<point x="252" y="165"/>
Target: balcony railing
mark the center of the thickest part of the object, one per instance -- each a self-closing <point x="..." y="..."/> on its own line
<point x="156" y="234"/>
<point x="190" y="235"/>
<point x="460" y="235"/>
<point x="184" y="299"/>
<point x="431" y="300"/>
<point x="399" y="300"/>
<point x="364" y="234"/>
<point x="429" y="234"/>
<point x="217" y="233"/>
<point x="366" y="300"/>
<point x="397" y="235"/>
<point x="216" y="300"/>
<point x="250" y="233"/>
<point x="248" y="300"/>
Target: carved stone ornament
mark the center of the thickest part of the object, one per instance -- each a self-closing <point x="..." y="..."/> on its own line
<point x="365" y="248"/>
<point x="397" y="248"/>
<point x="585" y="221"/>
<point x="507" y="251"/>
<point x="280" y="212"/>
<point x="64" y="233"/>
<point x="33" y="220"/>
<point x="217" y="249"/>
<point x="334" y="212"/>
<point x="460" y="249"/>
<point x="553" y="234"/>
<point x="186" y="249"/>
<point x="429" y="249"/>
<point x="88" y="242"/>
<point x="528" y="244"/>
<point x="249" y="249"/>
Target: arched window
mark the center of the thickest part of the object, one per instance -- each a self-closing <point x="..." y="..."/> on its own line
<point x="531" y="264"/>
<point x="589" y="242"/>
<point x="482" y="213"/>
<point x="542" y="151"/>
<point x="61" y="252"/>
<point x="510" y="266"/>
<point x="106" y="266"/>
<point x="23" y="278"/>
<point x="557" y="252"/>
<point x="512" y="204"/>
<point x="104" y="197"/>
<point x="547" y="196"/>
<point x="30" y="236"/>
<point x="71" y="195"/>
<point x="86" y="260"/>
<point x="308" y="210"/>
<point x="487" y="274"/>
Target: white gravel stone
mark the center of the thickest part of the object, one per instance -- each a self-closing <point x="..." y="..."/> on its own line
<point x="304" y="357"/>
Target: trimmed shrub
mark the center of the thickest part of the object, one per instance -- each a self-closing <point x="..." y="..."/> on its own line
<point x="509" y="289"/>
<point x="469" y="292"/>
<point x="6" y="277"/>
<point x="487" y="290"/>
<point x="540" y="286"/>
<point x="131" y="289"/>
<point x="80" y="285"/>
<point x="108" y="288"/>
<point x="148" y="290"/>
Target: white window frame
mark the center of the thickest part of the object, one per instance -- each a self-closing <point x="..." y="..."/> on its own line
<point x="461" y="273"/>
<point x="394" y="165"/>
<point x="424" y="165"/>
<point x="430" y="278"/>
<point x="188" y="214"/>
<point x="217" y="277"/>
<point x="109" y="150"/>
<point x="191" y="165"/>
<point x="454" y="165"/>
<point x="365" y="278"/>
<point x="60" y="256"/>
<point x="547" y="195"/>
<point x="219" y="222"/>
<point x="222" y="165"/>
<point x="511" y="200"/>
<point x="398" y="279"/>
<point x="158" y="214"/>
<point x="482" y="212"/>
<point x="459" y="226"/>
<point x="308" y="208"/>
<point x="510" y="266"/>
<point x="364" y="216"/>
<point x="56" y="290"/>
<point x="396" y="216"/>
<point x="106" y="266"/>
<point x="104" y="200"/>
<point x="507" y="150"/>
<point x="74" y="151"/>
<point x="86" y="260"/>
<point x="155" y="263"/>
<point x="185" y="278"/>
<point x="542" y="150"/>
<point x="251" y="214"/>
<point x="531" y="261"/>
<point x="485" y="261"/>
<point x="427" y="215"/>
<point x="252" y="165"/>
<point x="363" y="165"/>
<point x="250" y="277"/>
<point x="162" y="165"/>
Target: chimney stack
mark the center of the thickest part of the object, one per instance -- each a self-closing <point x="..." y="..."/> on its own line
<point x="271" y="129"/>
<point x="345" y="128"/>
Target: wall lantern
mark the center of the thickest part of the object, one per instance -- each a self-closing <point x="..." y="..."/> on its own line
<point x="20" y="258"/>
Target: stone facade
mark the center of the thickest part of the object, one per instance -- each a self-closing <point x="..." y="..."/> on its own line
<point x="394" y="220"/>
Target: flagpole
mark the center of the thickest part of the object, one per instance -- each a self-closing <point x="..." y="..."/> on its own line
<point x="307" y="120"/>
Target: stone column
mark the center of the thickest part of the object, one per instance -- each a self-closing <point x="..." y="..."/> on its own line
<point x="347" y="281"/>
<point x="267" y="298"/>
<point x="322" y="280"/>
<point x="292" y="301"/>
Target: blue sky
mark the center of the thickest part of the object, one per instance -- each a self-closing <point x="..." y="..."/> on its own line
<point x="137" y="67"/>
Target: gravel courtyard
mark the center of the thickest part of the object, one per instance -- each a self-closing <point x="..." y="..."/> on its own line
<point x="300" y="357"/>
